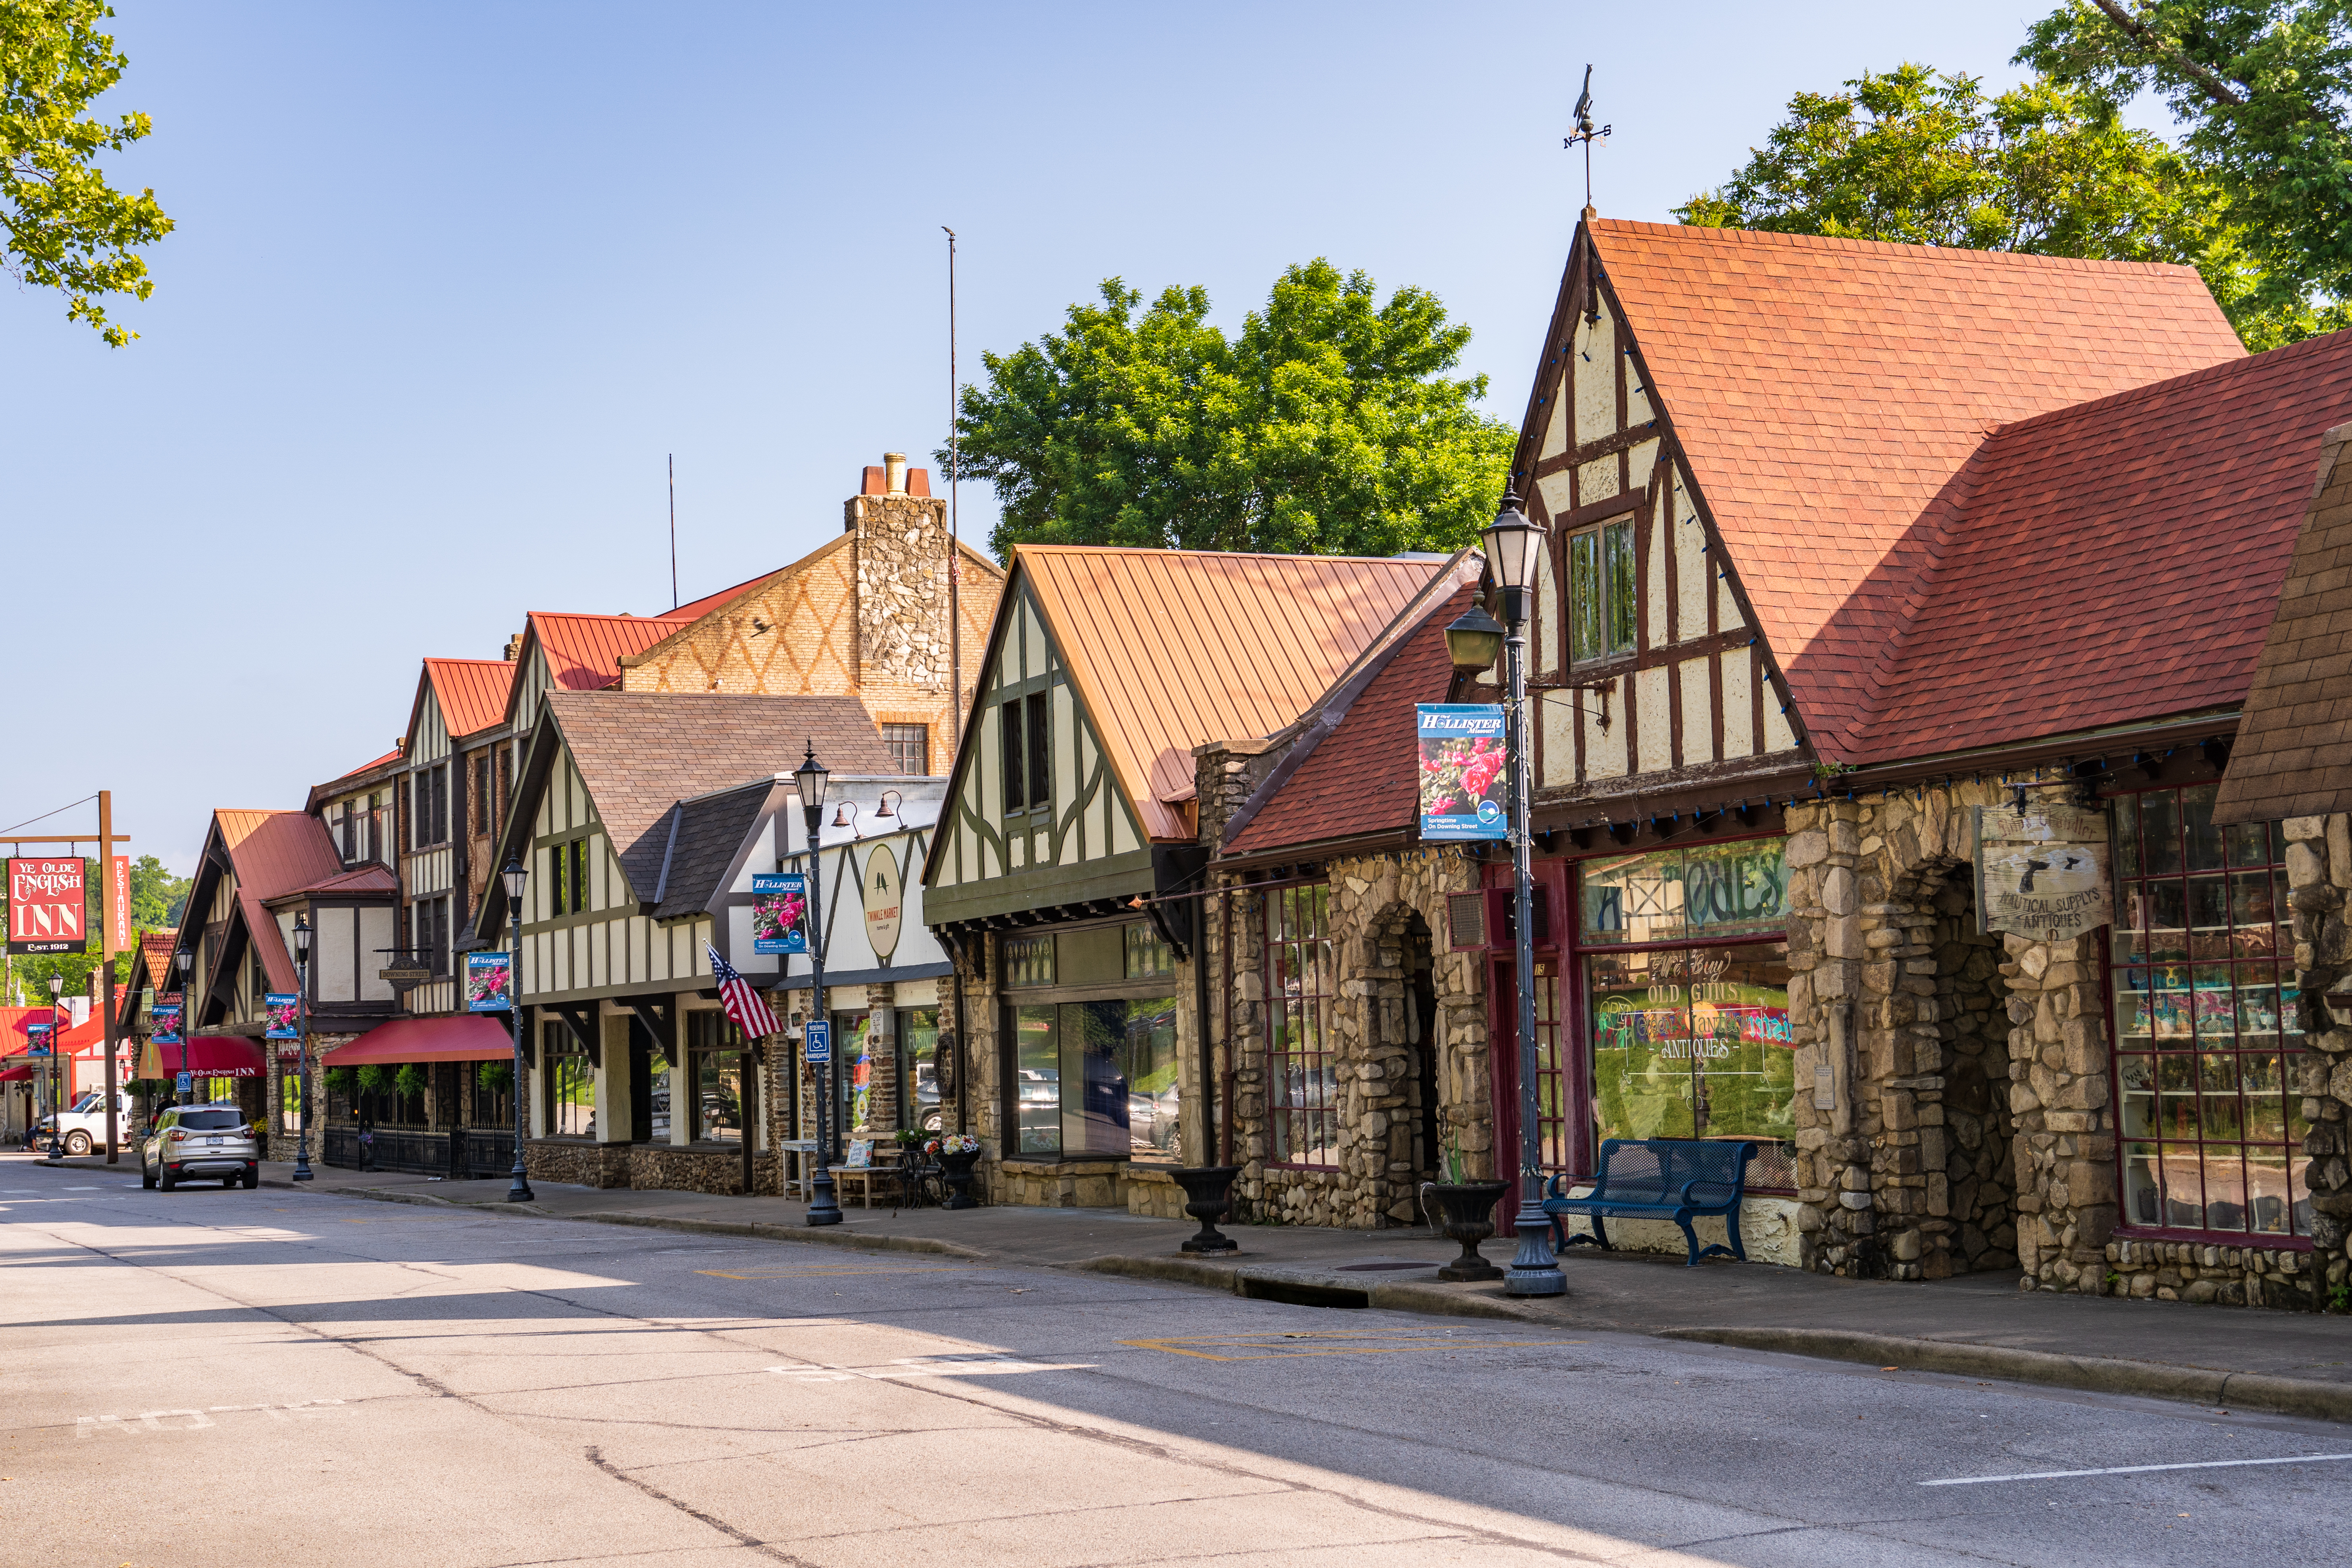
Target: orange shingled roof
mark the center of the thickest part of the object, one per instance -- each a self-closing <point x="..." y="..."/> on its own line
<point x="1172" y="648"/>
<point x="472" y="692"/>
<point x="1828" y="390"/>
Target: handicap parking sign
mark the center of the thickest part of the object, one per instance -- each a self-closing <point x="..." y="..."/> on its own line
<point x="819" y="1047"/>
<point x="186" y="1084"/>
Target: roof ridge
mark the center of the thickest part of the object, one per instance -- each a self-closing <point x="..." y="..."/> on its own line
<point x="1857" y="243"/>
<point x="1156" y="550"/>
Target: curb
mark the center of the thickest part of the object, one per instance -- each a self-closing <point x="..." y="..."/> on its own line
<point x="2098" y="1375"/>
<point x="1312" y="1287"/>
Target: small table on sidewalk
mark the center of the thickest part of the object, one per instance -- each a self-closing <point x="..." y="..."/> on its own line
<point x="806" y="1149"/>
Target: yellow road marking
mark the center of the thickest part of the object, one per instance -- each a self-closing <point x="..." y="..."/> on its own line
<point x="1284" y="1347"/>
<point x="783" y="1273"/>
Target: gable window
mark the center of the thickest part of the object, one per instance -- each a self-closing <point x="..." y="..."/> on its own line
<point x="567" y="877"/>
<point x="1600" y="622"/>
<point x="479" y="805"/>
<point x="910" y="746"/>
<point x="1028" y="755"/>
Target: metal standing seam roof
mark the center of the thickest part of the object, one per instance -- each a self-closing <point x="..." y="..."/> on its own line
<point x="472" y="692"/>
<point x="585" y="652"/>
<point x="274" y="853"/>
<point x="1172" y="648"/>
<point x="1827" y="390"/>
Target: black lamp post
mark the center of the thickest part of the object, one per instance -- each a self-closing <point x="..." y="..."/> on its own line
<point x="302" y="1048"/>
<point x="1514" y="549"/>
<point x="515" y="878"/>
<point x="57" y="1090"/>
<point x="810" y="778"/>
<point x="183" y="961"/>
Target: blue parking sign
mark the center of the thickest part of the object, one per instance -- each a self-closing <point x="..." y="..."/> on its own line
<point x="186" y="1085"/>
<point x="819" y="1046"/>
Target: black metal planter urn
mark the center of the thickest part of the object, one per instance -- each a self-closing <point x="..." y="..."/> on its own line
<point x="957" y="1168"/>
<point x="1208" y="1192"/>
<point x="1469" y="1209"/>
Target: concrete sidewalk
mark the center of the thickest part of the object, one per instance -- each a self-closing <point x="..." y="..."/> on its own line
<point x="2296" y="1363"/>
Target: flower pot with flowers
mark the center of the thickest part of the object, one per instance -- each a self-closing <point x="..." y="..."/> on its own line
<point x="957" y="1154"/>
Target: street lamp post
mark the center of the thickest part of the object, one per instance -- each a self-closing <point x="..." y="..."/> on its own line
<point x="1514" y="549"/>
<point x="182" y="961"/>
<point x="810" y="779"/>
<point x="514" y="877"/>
<point x="56" y="1088"/>
<point x="302" y="1048"/>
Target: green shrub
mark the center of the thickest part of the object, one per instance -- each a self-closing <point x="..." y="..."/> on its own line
<point x="376" y="1080"/>
<point x="494" y="1076"/>
<point x="409" y="1079"/>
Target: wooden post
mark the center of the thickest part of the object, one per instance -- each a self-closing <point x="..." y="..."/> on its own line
<point x="105" y="951"/>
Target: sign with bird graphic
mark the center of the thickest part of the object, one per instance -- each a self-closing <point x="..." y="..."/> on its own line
<point x="2041" y="870"/>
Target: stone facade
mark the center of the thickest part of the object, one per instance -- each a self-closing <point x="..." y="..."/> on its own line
<point x="2319" y="879"/>
<point x="718" y="1171"/>
<point x="577" y="1161"/>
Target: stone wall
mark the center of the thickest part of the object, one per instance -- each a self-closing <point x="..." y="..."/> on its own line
<point x="2320" y="876"/>
<point x="719" y="1172"/>
<point x="577" y="1161"/>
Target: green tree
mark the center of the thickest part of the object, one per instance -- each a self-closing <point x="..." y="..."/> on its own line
<point x="2048" y="168"/>
<point x="2264" y="87"/>
<point x="66" y="228"/>
<point x="156" y="895"/>
<point x="1327" y="425"/>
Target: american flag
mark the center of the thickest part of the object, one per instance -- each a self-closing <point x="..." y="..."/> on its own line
<point x="741" y="999"/>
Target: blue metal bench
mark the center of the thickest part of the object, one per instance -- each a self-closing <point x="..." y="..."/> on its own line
<point x="1678" y="1179"/>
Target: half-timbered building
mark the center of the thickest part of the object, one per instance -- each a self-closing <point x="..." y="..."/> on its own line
<point x="1066" y="868"/>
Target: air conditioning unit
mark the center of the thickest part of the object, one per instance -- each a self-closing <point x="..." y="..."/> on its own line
<point x="1482" y="920"/>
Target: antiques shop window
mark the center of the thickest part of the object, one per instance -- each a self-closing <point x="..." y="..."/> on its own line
<point x="1028" y="755"/>
<point x="1302" y="1072"/>
<point x="910" y="746"/>
<point x="1687" y="999"/>
<point x="1600" y="587"/>
<point x="571" y="1084"/>
<point x="715" y="1054"/>
<point x="2206" y="1040"/>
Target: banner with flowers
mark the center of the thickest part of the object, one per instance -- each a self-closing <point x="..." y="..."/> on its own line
<point x="778" y="902"/>
<point x="1465" y="786"/>
<point x="164" y="1023"/>
<point x="283" y="1009"/>
<point x="489" y="981"/>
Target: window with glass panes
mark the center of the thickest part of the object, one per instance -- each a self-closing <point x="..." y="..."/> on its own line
<point x="715" y="1078"/>
<point x="1600" y="591"/>
<point x="2202" y="958"/>
<point x="1302" y="1070"/>
<point x="569" y="1083"/>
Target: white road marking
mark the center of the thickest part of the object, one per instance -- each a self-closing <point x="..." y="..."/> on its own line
<point x="2136" y="1469"/>
<point x="921" y="1366"/>
<point x="152" y="1420"/>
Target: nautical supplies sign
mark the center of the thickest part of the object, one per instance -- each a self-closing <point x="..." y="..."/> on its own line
<point x="778" y="903"/>
<point x="489" y="981"/>
<point x="1464" y="786"/>
<point x="2042" y="872"/>
<point x="883" y="901"/>
<point x="48" y="902"/>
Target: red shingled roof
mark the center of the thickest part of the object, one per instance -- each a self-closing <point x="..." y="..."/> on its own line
<point x="2115" y="561"/>
<point x="472" y="692"/>
<point x="1360" y="778"/>
<point x="1828" y="390"/>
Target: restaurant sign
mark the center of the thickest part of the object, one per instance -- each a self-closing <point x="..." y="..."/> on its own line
<point x="48" y="902"/>
<point x="1464" y="785"/>
<point x="2042" y="872"/>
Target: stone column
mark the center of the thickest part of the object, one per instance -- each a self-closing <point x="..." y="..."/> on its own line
<point x="2319" y="873"/>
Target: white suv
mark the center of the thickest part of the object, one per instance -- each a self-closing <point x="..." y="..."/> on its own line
<point x="200" y="1142"/>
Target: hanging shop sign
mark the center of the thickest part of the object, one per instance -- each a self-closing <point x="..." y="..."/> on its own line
<point x="883" y="901"/>
<point x="489" y="983"/>
<point x="2042" y="872"/>
<point x="1464" y="786"/>
<point x="118" y="902"/>
<point x="778" y="902"/>
<point x="164" y="1023"/>
<point x="48" y="905"/>
<point x="283" y="1010"/>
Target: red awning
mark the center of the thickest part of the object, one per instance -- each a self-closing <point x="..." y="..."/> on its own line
<point x="17" y="1075"/>
<point x="468" y="1037"/>
<point x="209" y="1055"/>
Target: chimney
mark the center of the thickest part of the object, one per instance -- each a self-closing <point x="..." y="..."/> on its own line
<point x="918" y="481"/>
<point x="894" y="470"/>
<point x="872" y="485"/>
<point x="514" y="648"/>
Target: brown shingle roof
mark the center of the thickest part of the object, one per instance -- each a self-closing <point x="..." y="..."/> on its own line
<point x="641" y="751"/>
<point x="2293" y="751"/>
<point x="2113" y="561"/>
<point x="1173" y="649"/>
<point x="1828" y="390"/>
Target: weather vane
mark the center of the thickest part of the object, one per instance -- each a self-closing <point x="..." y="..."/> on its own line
<point x="1587" y="135"/>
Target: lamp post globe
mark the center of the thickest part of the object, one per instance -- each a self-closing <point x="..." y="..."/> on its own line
<point x="512" y="879"/>
<point x="810" y="779"/>
<point x="1514" y="553"/>
<point x="302" y="1048"/>
<point x="58" y="1082"/>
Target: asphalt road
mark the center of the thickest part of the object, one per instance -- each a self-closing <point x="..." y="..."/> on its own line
<point x="261" y="1378"/>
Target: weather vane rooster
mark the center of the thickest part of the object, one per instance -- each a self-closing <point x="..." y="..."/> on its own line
<point x="1586" y="133"/>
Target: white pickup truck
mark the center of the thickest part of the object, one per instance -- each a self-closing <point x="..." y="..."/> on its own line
<point x="84" y="1124"/>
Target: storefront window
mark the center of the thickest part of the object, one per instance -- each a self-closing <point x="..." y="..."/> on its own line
<point x="1693" y="1042"/>
<point x="659" y="1099"/>
<point x="2205" y="1037"/>
<point x="919" y="1038"/>
<point x="1551" y="1119"/>
<point x="1037" y="1071"/>
<point x="571" y="1085"/>
<point x="1027" y="960"/>
<point x="1301" y="1069"/>
<point x="1706" y="891"/>
<point x="853" y="1054"/>
<point x="1098" y="1078"/>
<point x="715" y="1052"/>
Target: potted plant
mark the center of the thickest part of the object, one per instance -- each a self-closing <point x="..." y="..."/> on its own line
<point x="1469" y="1211"/>
<point x="957" y="1153"/>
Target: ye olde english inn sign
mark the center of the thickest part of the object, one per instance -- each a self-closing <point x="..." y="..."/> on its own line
<point x="2041" y="871"/>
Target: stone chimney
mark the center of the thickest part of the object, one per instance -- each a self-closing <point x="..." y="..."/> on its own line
<point x="902" y="552"/>
<point x="514" y="648"/>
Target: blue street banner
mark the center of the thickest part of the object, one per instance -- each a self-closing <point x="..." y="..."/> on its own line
<point x="778" y="902"/>
<point x="819" y="1046"/>
<point x="283" y="1011"/>
<point x="39" y="1035"/>
<point x="1464" y="786"/>
<point x="164" y="1024"/>
<point x="489" y="983"/>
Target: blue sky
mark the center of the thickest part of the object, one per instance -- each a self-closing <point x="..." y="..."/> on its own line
<point x="450" y="281"/>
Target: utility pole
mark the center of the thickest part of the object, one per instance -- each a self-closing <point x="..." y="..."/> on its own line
<point x="955" y="522"/>
<point x="105" y="951"/>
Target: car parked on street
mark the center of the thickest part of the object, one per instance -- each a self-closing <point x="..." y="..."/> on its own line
<point x="200" y="1144"/>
